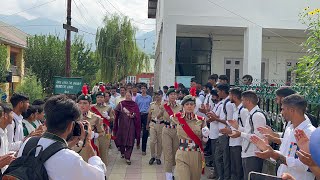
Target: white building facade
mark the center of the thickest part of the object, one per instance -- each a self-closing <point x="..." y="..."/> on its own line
<point x="256" y="37"/>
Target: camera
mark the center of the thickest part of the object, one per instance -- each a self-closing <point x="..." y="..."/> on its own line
<point x="77" y="128"/>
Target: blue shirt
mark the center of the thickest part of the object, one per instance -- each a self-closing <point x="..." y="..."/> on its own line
<point x="143" y="103"/>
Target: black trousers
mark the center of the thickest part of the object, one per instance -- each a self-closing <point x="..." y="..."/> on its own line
<point x="223" y="157"/>
<point x="236" y="163"/>
<point x="145" y="132"/>
<point x="213" y="150"/>
<point x="251" y="164"/>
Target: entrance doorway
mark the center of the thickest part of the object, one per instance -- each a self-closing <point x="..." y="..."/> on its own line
<point x="233" y="69"/>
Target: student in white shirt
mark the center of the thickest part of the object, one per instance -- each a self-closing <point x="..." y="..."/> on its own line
<point x="61" y="115"/>
<point x="256" y="118"/>
<point x="20" y="104"/>
<point x="222" y="146"/>
<point x="6" y="118"/>
<point x="293" y="109"/>
<point x="114" y="95"/>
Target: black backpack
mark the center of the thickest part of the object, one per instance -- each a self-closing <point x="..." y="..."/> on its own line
<point x="29" y="167"/>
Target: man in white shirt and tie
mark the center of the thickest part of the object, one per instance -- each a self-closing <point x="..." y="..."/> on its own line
<point x="61" y="116"/>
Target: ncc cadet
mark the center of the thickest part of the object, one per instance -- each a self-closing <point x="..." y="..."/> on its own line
<point x="103" y="110"/>
<point x="191" y="131"/>
<point x="95" y="121"/>
<point x="156" y="125"/>
<point x="170" y="141"/>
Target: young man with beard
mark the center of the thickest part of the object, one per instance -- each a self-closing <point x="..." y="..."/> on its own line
<point x="99" y="140"/>
<point x="114" y="95"/>
<point x="170" y="141"/>
<point x="256" y="118"/>
<point x="103" y="110"/>
<point x="135" y="93"/>
<point x="122" y="95"/>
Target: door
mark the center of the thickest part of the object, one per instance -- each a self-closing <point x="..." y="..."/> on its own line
<point x="264" y="70"/>
<point x="290" y="75"/>
<point x="233" y="69"/>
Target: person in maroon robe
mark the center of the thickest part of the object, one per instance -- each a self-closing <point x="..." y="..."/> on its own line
<point x="127" y="126"/>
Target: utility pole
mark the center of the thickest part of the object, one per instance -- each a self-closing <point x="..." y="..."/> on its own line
<point x="69" y="28"/>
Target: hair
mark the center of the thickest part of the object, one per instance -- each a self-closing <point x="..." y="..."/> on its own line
<point x="224" y="87"/>
<point x="38" y="102"/>
<point x="197" y="92"/>
<point x="296" y="101"/>
<point x="108" y="93"/>
<point x="236" y="91"/>
<point x="184" y="91"/>
<point x="285" y="91"/>
<point x="144" y="85"/>
<point x="180" y="85"/>
<point x="214" y="93"/>
<point x="172" y="87"/>
<point x="247" y="76"/>
<point x="31" y="110"/>
<point x="5" y="108"/>
<point x="17" y="98"/>
<point x="113" y="87"/>
<point x="208" y="85"/>
<point x="165" y="87"/>
<point x="213" y="77"/>
<point x="60" y="111"/>
<point x="194" y="80"/>
<point x="251" y="96"/>
<point x="122" y="87"/>
<point x="224" y="77"/>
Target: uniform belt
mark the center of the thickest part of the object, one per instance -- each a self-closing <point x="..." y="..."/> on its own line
<point x="188" y="145"/>
<point x="157" y="122"/>
<point x="166" y="123"/>
<point x="171" y="126"/>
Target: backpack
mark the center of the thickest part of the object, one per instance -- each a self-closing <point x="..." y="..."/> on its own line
<point x="225" y="108"/>
<point x="29" y="167"/>
<point x="239" y="117"/>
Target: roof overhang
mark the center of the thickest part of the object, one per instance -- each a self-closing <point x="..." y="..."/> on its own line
<point x="152" y="8"/>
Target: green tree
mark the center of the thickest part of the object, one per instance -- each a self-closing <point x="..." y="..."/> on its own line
<point x="3" y="62"/>
<point x="31" y="86"/>
<point x="117" y="49"/>
<point x="308" y="68"/>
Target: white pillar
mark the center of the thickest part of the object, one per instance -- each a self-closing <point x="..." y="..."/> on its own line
<point x="168" y="54"/>
<point x="252" y="51"/>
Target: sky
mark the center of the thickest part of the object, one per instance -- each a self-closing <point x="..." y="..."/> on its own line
<point x="85" y="12"/>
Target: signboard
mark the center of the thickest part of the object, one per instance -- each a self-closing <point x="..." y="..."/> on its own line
<point x="63" y="85"/>
<point x="185" y="80"/>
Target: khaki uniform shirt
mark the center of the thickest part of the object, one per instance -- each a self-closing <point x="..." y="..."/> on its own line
<point x="175" y="108"/>
<point x="155" y="111"/>
<point x="105" y="108"/>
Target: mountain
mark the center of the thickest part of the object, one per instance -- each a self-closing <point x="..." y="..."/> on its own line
<point x="47" y="26"/>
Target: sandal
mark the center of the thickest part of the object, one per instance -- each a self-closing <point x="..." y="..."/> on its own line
<point x="128" y="162"/>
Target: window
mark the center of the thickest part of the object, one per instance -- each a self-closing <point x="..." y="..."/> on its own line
<point x="131" y="79"/>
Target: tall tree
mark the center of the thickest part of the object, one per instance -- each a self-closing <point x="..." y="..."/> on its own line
<point x="117" y="49"/>
<point x="3" y="62"/>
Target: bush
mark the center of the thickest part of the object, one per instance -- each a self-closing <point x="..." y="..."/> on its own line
<point x="31" y="87"/>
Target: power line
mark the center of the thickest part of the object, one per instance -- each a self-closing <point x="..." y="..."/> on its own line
<point x="84" y="18"/>
<point x="99" y="1"/>
<point x="88" y="13"/>
<point x="254" y="23"/>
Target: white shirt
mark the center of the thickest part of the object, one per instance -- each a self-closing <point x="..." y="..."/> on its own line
<point x="37" y="123"/>
<point x="208" y="100"/>
<point x="165" y="98"/>
<point x="229" y="108"/>
<point x="258" y="120"/>
<point x="6" y="146"/>
<point x="18" y="136"/>
<point x="289" y="147"/>
<point x="244" y="113"/>
<point x="196" y="109"/>
<point x="214" y="126"/>
<point x="134" y="97"/>
<point x="67" y="164"/>
<point x="28" y="126"/>
<point x="113" y="98"/>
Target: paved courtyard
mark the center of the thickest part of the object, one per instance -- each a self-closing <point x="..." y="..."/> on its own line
<point x="139" y="168"/>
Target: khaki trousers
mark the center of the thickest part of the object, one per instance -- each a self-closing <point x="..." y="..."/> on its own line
<point x="156" y="140"/>
<point x="103" y="146"/>
<point x="170" y="144"/>
<point x="188" y="165"/>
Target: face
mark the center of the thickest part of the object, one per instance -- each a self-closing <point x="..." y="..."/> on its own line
<point x="113" y="91"/>
<point x="165" y="90"/>
<point x="8" y="117"/>
<point x="172" y="97"/>
<point x="134" y="90"/>
<point x="246" y="81"/>
<point x="221" y="94"/>
<point x="287" y="112"/>
<point x="222" y="81"/>
<point x="215" y="99"/>
<point x="128" y="96"/>
<point x="129" y="88"/>
<point x="107" y="97"/>
<point x="232" y="97"/>
<point x="212" y="81"/>
<point x="193" y="84"/>
<point x="245" y="102"/>
<point x="84" y="106"/>
<point x="278" y="100"/>
<point x="143" y="89"/>
<point x="188" y="107"/>
<point x="100" y="99"/>
<point x="40" y="116"/>
<point x="24" y="105"/>
<point x="122" y="92"/>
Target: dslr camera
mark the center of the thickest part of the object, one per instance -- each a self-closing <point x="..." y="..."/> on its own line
<point x="77" y="128"/>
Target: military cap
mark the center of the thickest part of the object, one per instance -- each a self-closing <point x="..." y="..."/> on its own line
<point x="100" y="93"/>
<point x="84" y="97"/>
<point x="171" y="90"/>
<point x="188" y="98"/>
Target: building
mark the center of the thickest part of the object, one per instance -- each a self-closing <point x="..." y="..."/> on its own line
<point x="146" y="76"/>
<point x="198" y="38"/>
<point x="16" y="41"/>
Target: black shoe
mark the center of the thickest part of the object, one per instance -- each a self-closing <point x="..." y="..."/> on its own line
<point x="152" y="161"/>
<point x="158" y="161"/>
<point x="128" y="162"/>
<point x="173" y="177"/>
<point x="122" y="156"/>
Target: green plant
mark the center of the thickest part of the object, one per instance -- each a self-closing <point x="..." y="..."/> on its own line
<point x="3" y="62"/>
<point x="32" y="87"/>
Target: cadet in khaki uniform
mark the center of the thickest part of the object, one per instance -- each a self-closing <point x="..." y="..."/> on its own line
<point x="106" y="112"/>
<point x="156" y="125"/>
<point x="95" y="121"/>
<point x="170" y="141"/>
<point x="188" y="157"/>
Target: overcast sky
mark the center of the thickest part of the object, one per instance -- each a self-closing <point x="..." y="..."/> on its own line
<point x="89" y="12"/>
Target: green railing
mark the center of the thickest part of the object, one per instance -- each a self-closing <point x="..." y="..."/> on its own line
<point x="266" y="92"/>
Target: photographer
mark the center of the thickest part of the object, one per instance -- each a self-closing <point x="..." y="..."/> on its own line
<point x="62" y="114"/>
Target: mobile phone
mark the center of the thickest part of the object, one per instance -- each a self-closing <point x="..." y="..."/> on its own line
<point x="77" y="129"/>
<point x="262" y="176"/>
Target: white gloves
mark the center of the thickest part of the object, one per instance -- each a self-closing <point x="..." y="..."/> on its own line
<point x="205" y="131"/>
<point x="94" y="135"/>
<point x="106" y="115"/>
